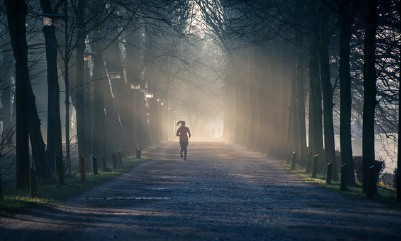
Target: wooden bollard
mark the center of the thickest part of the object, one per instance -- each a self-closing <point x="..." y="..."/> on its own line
<point x="32" y="182"/>
<point x="344" y="177"/>
<point x="309" y="162"/>
<point x="293" y="160"/>
<point x="119" y="159"/>
<point x="114" y="159"/>
<point x="82" y="168"/>
<point x="104" y="164"/>
<point x="315" y="163"/>
<point x="94" y="165"/>
<point x="60" y="169"/>
<point x="329" y="170"/>
<point x="370" y="191"/>
<point x="138" y="153"/>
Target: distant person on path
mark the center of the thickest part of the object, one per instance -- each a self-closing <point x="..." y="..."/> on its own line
<point x="184" y="133"/>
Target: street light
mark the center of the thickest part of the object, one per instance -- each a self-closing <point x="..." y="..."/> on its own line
<point x="88" y="56"/>
<point x="135" y="86"/>
<point x="136" y="113"/>
<point x="48" y="19"/>
<point x="115" y="75"/>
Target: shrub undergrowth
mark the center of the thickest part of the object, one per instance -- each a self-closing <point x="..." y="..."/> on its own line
<point x="17" y="200"/>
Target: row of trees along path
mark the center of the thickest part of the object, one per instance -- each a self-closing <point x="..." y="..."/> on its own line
<point x="223" y="192"/>
<point x="286" y="67"/>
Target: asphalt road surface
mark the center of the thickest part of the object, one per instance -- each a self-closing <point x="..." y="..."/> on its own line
<point x="222" y="192"/>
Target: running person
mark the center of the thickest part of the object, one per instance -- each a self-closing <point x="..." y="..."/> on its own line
<point x="184" y="133"/>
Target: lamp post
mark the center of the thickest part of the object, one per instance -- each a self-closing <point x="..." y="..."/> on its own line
<point x="154" y="117"/>
<point x="136" y="87"/>
<point x="88" y="56"/>
<point x="115" y="75"/>
<point x="159" y="119"/>
<point x="163" y="119"/>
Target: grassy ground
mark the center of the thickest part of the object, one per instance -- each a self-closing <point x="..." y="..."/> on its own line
<point x="385" y="194"/>
<point x="17" y="200"/>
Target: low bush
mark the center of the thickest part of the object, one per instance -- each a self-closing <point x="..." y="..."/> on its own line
<point x="358" y="166"/>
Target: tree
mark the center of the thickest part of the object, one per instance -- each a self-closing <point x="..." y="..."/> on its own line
<point x="398" y="173"/>
<point x="370" y="90"/>
<point x="27" y="121"/>
<point x="346" y="14"/>
<point x="299" y="75"/>
<point x="79" y="76"/>
<point x="325" y="20"/>
<point x="54" y="143"/>
<point x="6" y="76"/>
<point x="17" y="31"/>
<point x="315" y="95"/>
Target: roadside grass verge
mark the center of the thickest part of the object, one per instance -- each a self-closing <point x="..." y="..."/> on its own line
<point x="386" y="194"/>
<point x="17" y="200"/>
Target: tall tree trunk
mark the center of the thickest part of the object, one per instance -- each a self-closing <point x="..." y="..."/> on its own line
<point x="269" y="100"/>
<point x="329" y="145"/>
<point x="293" y="139"/>
<point x="302" y="150"/>
<point x="370" y="90"/>
<point x="248" y="98"/>
<point x="282" y="94"/>
<point x="35" y="136"/>
<point x="259" y="95"/>
<point x="254" y="118"/>
<point x="120" y="93"/>
<point x="133" y="60"/>
<point x="99" y="74"/>
<point x="398" y="173"/>
<point x="54" y="142"/>
<point x="316" y="96"/>
<point x="28" y="123"/>
<point x="346" y="19"/>
<point x="232" y="101"/>
<point x="16" y="14"/>
<point x="79" y="75"/>
<point x="8" y="70"/>
<point x="6" y="92"/>
<point x="66" y="64"/>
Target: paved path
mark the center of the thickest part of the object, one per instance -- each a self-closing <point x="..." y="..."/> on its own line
<point x="223" y="192"/>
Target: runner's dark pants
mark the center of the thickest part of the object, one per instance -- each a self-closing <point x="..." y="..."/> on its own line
<point x="184" y="145"/>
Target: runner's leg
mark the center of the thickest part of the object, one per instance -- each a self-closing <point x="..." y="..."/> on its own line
<point x="185" y="150"/>
<point x="182" y="148"/>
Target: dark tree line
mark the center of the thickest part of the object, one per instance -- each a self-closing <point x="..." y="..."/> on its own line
<point x="124" y="39"/>
<point x="339" y="49"/>
<point x="296" y="74"/>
